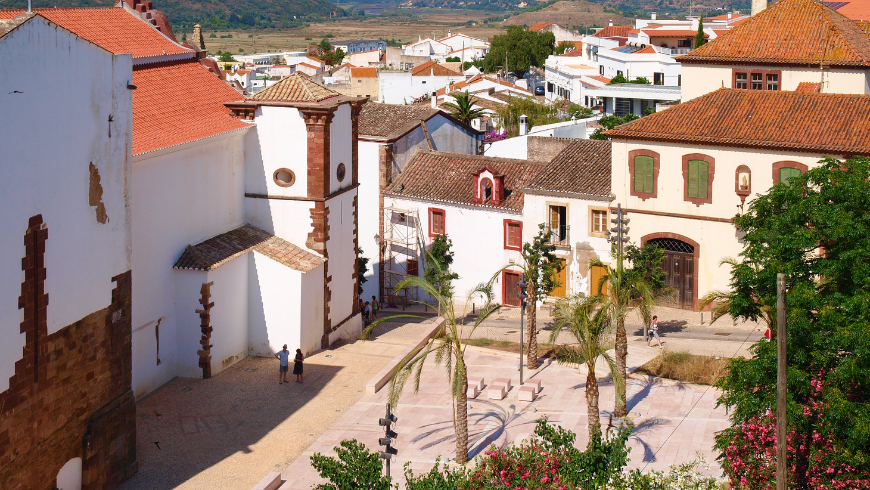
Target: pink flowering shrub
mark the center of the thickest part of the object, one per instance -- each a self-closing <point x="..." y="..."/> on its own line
<point x="524" y="467"/>
<point x="494" y="135"/>
<point x="814" y="458"/>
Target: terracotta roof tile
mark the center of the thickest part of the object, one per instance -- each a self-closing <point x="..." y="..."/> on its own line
<point x="448" y="177"/>
<point x="613" y="31"/>
<point x="539" y="26"/>
<point x="391" y="121"/>
<point x="7" y="25"/>
<point x="600" y="78"/>
<point x="111" y="28"/>
<point x="646" y="50"/>
<point x="858" y="10"/>
<point x="179" y="101"/>
<point x="583" y="167"/>
<point x="295" y="88"/>
<point x="219" y="250"/>
<point x="430" y="67"/>
<point x="796" y="32"/>
<point x="808" y="87"/>
<point x="364" y="72"/>
<point x="837" y="124"/>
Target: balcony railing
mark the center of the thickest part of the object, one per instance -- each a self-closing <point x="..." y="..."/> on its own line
<point x="560" y="235"/>
<point x="680" y="51"/>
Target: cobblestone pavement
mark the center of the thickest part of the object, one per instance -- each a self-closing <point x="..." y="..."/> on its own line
<point x="673" y="422"/>
<point x="229" y="431"/>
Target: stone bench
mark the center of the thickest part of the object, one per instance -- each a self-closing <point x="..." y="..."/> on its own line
<point x="536" y="383"/>
<point x="270" y="482"/>
<point x="496" y="392"/>
<point x="506" y="382"/>
<point x="473" y="391"/>
<point x="478" y="382"/>
<point x="527" y="393"/>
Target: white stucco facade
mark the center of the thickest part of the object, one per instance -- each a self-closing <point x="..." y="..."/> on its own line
<point x="55" y="167"/>
<point x="400" y="87"/>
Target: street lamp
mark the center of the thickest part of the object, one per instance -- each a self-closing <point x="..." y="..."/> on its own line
<point x="522" y="285"/>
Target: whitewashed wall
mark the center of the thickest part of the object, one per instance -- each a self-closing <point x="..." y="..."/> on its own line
<point x="45" y="160"/>
<point x="229" y="316"/>
<point x="181" y="196"/>
<point x="369" y="214"/>
<point x="402" y="88"/>
<point x="340" y="148"/>
<point x="274" y="306"/>
<point x="188" y="333"/>
<point x="312" y="311"/>
<point x="342" y="256"/>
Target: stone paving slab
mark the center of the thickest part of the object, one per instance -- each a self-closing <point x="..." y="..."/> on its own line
<point x="673" y="422"/>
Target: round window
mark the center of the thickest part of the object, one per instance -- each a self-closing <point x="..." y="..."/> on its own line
<point x="340" y="172"/>
<point x="284" y="177"/>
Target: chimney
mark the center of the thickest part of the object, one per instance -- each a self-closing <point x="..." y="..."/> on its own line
<point x="729" y="15"/>
<point x="524" y="125"/>
<point x="652" y="16"/>
<point x="758" y="6"/>
<point x="448" y="33"/>
<point x="611" y="23"/>
<point x="434" y="100"/>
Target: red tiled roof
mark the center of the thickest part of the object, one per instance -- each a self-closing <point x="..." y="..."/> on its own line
<point x="600" y="78"/>
<point x="837" y="124"/>
<point x="794" y="32"/>
<point x="646" y="50"/>
<point x="177" y="102"/>
<point x="111" y="28"/>
<point x="613" y="31"/>
<point x="297" y="87"/>
<point x="857" y="10"/>
<point x="364" y="72"/>
<point x="219" y="250"/>
<point x="391" y="121"/>
<point x="448" y="177"/>
<point x="434" y="68"/>
<point x="808" y="87"/>
<point x="310" y="66"/>
<point x="583" y="167"/>
<point x="539" y="26"/>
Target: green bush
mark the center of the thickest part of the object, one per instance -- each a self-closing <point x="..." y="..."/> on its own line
<point x="355" y="467"/>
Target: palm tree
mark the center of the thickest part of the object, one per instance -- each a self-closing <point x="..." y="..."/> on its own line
<point x="722" y="301"/>
<point x="590" y="322"/>
<point x="463" y="108"/>
<point x="625" y="292"/>
<point x="448" y="347"/>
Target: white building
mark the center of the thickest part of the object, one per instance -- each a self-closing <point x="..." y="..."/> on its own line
<point x="435" y="50"/>
<point x="633" y="98"/>
<point x="360" y="45"/>
<point x="244" y="77"/>
<point x="561" y="33"/>
<point x="365" y="58"/>
<point x="460" y="41"/>
<point x="389" y="136"/>
<point x="404" y="87"/>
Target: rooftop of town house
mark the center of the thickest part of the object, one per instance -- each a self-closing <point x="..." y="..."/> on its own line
<point x="613" y="31"/>
<point x="364" y="72"/>
<point x="836" y="124"/>
<point x="444" y="177"/>
<point x="391" y="121"/>
<point x="188" y="109"/>
<point x="539" y="26"/>
<point x="296" y="87"/>
<point x="114" y="29"/>
<point x="433" y="68"/>
<point x="581" y="169"/>
<point x="790" y="32"/>
<point x="218" y="250"/>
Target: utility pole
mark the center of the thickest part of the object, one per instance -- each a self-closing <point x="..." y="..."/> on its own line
<point x="618" y="235"/>
<point x="522" y="285"/>
<point x="781" y="398"/>
<point x="389" y="451"/>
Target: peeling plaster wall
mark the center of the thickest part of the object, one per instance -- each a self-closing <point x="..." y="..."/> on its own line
<point x="46" y="159"/>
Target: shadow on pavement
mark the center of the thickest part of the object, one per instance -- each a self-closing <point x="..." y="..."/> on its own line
<point x="672" y="326"/>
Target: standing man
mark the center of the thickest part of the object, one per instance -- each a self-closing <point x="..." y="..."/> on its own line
<point x="654" y="331"/>
<point x="283" y="356"/>
<point x="375" y="307"/>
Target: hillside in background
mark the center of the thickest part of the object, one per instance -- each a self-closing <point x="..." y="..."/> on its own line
<point x="217" y="14"/>
<point x="571" y="14"/>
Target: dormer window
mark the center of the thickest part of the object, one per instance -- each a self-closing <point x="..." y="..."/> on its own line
<point x="488" y="187"/>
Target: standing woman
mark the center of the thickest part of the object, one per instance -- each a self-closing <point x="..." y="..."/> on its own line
<point x="297" y="365"/>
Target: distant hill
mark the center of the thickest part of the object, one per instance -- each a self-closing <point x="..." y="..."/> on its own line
<point x="571" y="14"/>
<point x="216" y="14"/>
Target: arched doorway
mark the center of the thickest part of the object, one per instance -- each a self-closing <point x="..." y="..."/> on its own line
<point x="70" y="476"/>
<point x="679" y="265"/>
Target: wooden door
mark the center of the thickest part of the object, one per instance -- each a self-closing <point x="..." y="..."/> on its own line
<point x="679" y="269"/>
<point x="561" y="289"/>
<point x="510" y="289"/>
<point x="595" y="275"/>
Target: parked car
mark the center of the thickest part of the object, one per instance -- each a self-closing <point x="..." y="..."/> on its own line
<point x="539" y="90"/>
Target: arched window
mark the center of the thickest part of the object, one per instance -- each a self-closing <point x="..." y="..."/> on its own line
<point x="698" y="171"/>
<point x="643" y="169"/>
<point x="783" y="171"/>
<point x="486" y="190"/>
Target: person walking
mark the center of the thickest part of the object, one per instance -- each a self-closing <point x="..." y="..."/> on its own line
<point x="654" y="332"/>
<point x="284" y="366"/>
<point x="367" y="311"/>
<point x="375" y="308"/>
<point x="297" y="365"/>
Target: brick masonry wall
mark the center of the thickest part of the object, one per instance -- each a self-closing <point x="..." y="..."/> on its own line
<point x="70" y="396"/>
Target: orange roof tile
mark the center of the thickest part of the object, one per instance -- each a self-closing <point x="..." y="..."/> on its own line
<point x="297" y="87"/>
<point x="364" y="72"/>
<point x="646" y="50"/>
<point x="613" y="31"/>
<point x="310" y="66"/>
<point x="111" y="28"/>
<point x="601" y="78"/>
<point x="808" y="87"/>
<point x="794" y="32"/>
<point x="859" y="10"/>
<point x="434" y="68"/>
<point x="178" y="102"/>
<point x="836" y="124"/>
<point x="539" y="26"/>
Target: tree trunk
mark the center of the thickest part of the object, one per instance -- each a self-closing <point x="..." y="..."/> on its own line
<point x="461" y="421"/>
<point x="592" y="403"/>
<point x="621" y="352"/>
<point x="531" y="312"/>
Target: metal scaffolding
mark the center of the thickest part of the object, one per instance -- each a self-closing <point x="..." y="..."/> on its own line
<point x="404" y="248"/>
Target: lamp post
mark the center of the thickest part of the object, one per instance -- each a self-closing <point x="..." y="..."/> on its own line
<point x="522" y="285"/>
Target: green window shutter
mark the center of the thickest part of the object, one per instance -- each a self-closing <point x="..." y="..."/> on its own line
<point x="643" y="174"/>
<point x="693" y="178"/>
<point x="703" y="178"/>
<point x="787" y="173"/>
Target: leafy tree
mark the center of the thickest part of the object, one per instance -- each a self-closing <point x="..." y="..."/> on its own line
<point x="227" y="57"/>
<point x="816" y="230"/>
<point x="590" y="324"/>
<point x="324" y="45"/>
<point x="355" y="467"/>
<point x="333" y="58"/>
<point x="699" y="37"/>
<point x="439" y="258"/>
<point x="620" y="78"/>
<point x="362" y="266"/>
<point x="564" y="46"/>
<point x="610" y="122"/>
<point x="463" y="107"/>
<point x="448" y="348"/>
<point x="452" y="59"/>
<point x="523" y="49"/>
